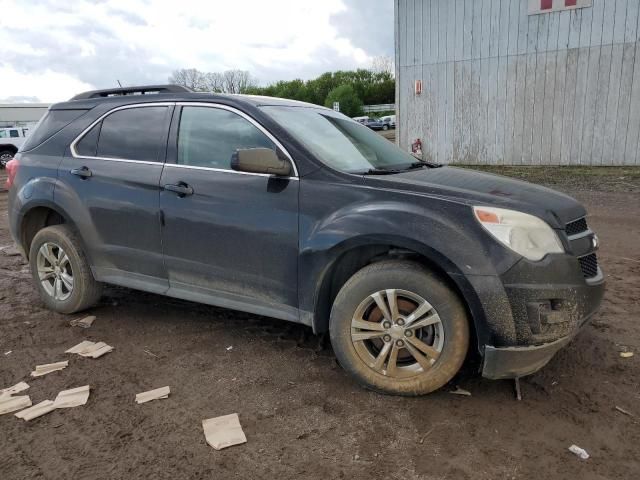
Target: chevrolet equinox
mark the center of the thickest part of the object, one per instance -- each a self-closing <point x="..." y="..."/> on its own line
<point x="294" y="211"/>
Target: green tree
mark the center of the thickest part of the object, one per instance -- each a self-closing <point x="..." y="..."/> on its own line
<point x="350" y="102"/>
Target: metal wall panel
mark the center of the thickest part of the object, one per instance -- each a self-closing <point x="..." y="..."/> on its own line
<point x="501" y="86"/>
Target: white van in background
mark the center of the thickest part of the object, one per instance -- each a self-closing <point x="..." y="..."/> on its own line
<point x="11" y="139"/>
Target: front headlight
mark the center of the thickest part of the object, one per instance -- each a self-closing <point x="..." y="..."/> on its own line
<point x="525" y="234"/>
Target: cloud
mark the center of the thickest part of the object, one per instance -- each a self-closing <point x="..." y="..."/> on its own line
<point x="51" y="49"/>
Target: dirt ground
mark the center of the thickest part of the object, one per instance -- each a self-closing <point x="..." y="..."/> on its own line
<point x="303" y="417"/>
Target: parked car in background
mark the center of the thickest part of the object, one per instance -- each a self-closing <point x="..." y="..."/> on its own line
<point x="389" y="120"/>
<point x="375" y="124"/>
<point x="297" y="212"/>
<point x="11" y="139"/>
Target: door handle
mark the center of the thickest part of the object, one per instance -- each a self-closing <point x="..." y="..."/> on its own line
<point x="82" y="172"/>
<point x="182" y="189"/>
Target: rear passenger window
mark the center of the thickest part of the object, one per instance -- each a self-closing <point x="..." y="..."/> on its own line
<point x="131" y="134"/>
<point x="208" y="137"/>
<point x="14" y="134"/>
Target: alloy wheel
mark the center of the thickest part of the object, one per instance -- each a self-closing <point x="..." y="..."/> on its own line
<point x="54" y="271"/>
<point x="397" y="333"/>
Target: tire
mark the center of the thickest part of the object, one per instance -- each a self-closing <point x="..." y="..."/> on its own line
<point x="385" y="127"/>
<point x="56" y="255"/>
<point x="445" y="335"/>
<point x="5" y="156"/>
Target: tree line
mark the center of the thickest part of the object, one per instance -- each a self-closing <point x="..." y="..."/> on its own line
<point x="351" y="88"/>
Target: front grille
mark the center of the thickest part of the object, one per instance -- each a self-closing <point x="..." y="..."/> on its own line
<point x="577" y="226"/>
<point x="589" y="265"/>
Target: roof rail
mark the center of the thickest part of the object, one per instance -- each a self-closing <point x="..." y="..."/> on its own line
<point x="144" y="90"/>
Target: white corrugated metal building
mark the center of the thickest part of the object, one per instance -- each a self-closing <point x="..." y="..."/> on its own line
<point x="531" y="82"/>
<point x="20" y="114"/>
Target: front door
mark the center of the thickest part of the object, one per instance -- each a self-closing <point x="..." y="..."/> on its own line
<point x="229" y="238"/>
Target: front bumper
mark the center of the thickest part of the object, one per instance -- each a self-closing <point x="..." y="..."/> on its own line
<point x="515" y="362"/>
<point x="544" y="306"/>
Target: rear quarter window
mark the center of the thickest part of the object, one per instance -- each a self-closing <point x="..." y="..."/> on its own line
<point x="49" y="125"/>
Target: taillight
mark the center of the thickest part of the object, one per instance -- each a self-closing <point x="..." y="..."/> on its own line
<point x="12" y="171"/>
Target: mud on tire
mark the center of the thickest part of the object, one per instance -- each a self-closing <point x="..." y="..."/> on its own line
<point x="61" y="272"/>
<point x="367" y="296"/>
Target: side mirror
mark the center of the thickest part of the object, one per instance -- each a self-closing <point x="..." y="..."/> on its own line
<point x="260" y="160"/>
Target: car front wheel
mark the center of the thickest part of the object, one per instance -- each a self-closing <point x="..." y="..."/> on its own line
<point x="398" y="328"/>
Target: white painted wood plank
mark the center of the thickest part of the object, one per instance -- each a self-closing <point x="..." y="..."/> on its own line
<point x="411" y="33"/>
<point x="597" y="22"/>
<point x="575" y="22"/>
<point x="503" y="31"/>
<point x="494" y="35"/>
<point x="619" y="20"/>
<point x="434" y="31"/>
<point x="631" y="22"/>
<point x="602" y="94"/>
<point x="442" y="31"/>
<point x="449" y="67"/>
<point x="543" y="33"/>
<point x="624" y="105"/>
<point x="570" y="90"/>
<point x="529" y="107"/>
<point x="426" y="32"/>
<point x="519" y="108"/>
<point x="586" y="22"/>
<point x="611" y="117"/>
<point x="557" y="106"/>
<point x="538" y="107"/>
<point x="459" y="26"/>
<point x="468" y="29"/>
<point x="564" y="29"/>
<point x="458" y="115"/>
<point x="517" y="29"/>
<point x="476" y="33"/>
<point x="519" y="16"/>
<point x="579" y="105"/>
<point x="553" y="32"/>
<point x="632" y="144"/>
<point x="492" y="106"/>
<point x="483" y="103"/>
<point x="512" y="82"/>
<point x="501" y="105"/>
<point x="418" y="27"/>
<point x="591" y="97"/>
<point x="485" y="34"/>
<point x="547" y="113"/>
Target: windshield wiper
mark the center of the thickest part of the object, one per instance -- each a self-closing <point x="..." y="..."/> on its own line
<point x="422" y="163"/>
<point x="381" y="171"/>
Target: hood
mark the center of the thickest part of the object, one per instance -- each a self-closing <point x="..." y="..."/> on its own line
<point x="484" y="189"/>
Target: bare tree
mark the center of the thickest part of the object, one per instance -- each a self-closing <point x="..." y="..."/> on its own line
<point x="231" y="81"/>
<point x="237" y="81"/>
<point x="190" y="78"/>
<point x="383" y="64"/>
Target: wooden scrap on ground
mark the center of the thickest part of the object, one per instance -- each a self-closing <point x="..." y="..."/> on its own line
<point x="48" y="368"/>
<point x="72" y="398"/>
<point x="83" y="322"/>
<point x="223" y="432"/>
<point x="91" y="349"/>
<point x="158" y="393"/>
<point x="36" y="411"/>
<point x="11" y="404"/>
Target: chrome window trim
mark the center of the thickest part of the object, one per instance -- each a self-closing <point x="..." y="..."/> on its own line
<point x="251" y="121"/>
<point x="75" y="154"/>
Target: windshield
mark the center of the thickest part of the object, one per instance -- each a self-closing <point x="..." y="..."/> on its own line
<point x="340" y="142"/>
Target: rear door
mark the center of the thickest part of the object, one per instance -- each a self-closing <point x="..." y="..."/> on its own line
<point x="109" y="185"/>
<point x="231" y="238"/>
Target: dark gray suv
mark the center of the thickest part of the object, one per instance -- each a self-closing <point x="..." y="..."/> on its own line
<point x="296" y="212"/>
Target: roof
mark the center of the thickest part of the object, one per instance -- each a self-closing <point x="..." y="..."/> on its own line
<point x="169" y="93"/>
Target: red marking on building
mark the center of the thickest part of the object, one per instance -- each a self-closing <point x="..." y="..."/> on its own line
<point x="570" y="3"/>
<point x="547" y="4"/>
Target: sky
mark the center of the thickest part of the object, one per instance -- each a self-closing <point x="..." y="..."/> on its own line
<point x="53" y="49"/>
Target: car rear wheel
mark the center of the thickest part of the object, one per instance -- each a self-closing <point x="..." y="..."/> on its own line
<point x="5" y="156"/>
<point x="385" y="127"/>
<point x="399" y="329"/>
<point x="61" y="272"/>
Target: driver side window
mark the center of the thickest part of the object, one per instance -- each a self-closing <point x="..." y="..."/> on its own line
<point x="208" y="137"/>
